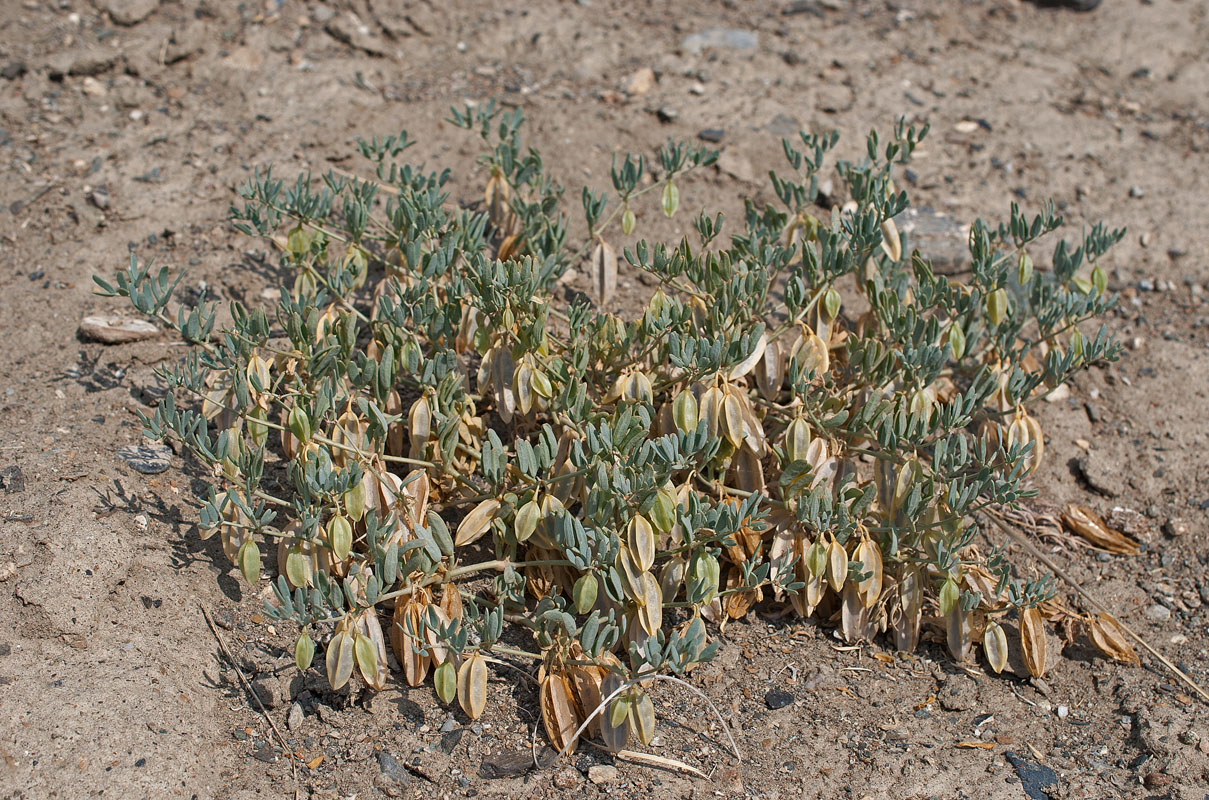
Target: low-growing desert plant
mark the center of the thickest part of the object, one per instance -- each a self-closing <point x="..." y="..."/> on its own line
<point x="437" y="451"/>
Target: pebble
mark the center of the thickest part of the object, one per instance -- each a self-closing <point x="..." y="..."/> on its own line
<point x="720" y="38"/>
<point x="149" y="459"/>
<point x="567" y="778"/>
<point x="1035" y="779"/>
<point x="128" y="12"/>
<point x="13" y="70"/>
<point x="1158" y="613"/>
<point x="450" y="724"/>
<point x="1176" y="526"/>
<point x="778" y="698"/>
<point x="1093" y="412"/>
<point x="1136" y="192"/>
<point x="639" y="83"/>
<point x="116" y="330"/>
<point x="1063" y="711"/>
<point x="1145" y="285"/>
<point x="391" y="771"/>
<point x="666" y="113"/>
<point x="604" y="774"/>
<point x="712" y="135"/>
<point x="100" y="199"/>
<point x="294" y="719"/>
<point x="12" y="479"/>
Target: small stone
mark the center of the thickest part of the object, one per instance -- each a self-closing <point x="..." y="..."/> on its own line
<point x="12" y="479"/>
<point x="1093" y="412"/>
<point x="13" y="70"/>
<point x="128" y="12"/>
<point x="100" y="199"/>
<point x="450" y="740"/>
<point x="1063" y="712"/>
<point x="1156" y="780"/>
<point x="666" y="113"/>
<point x="265" y="753"/>
<point x="391" y="772"/>
<point x="711" y="135"/>
<point x="1176" y="526"/>
<point x="149" y="459"/>
<point x="719" y="38"/>
<point x="224" y="618"/>
<point x="294" y="719"/>
<point x="567" y="778"/>
<point x="116" y="330"/>
<point x="604" y="774"/>
<point x="1145" y="285"/>
<point x="1136" y="192"/>
<point x="1158" y="613"/>
<point x="449" y="725"/>
<point x="1035" y="779"/>
<point x="639" y="83"/>
<point x="265" y="687"/>
<point x="778" y="698"/>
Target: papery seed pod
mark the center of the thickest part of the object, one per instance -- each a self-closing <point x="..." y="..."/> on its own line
<point x="892" y="244"/>
<point x="1090" y="526"/>
<point x="837" y="565"/>
<point x="1024" y="272"/>
<point x="445" y="681"/>
<point x="813" y="357"/>
<point x="994" y="644"/>
<point x="501" y="383"/>
<point x="911" y="601"/>
<point x="949" y="597"/>
<point x="663" y="510"/>
<point x="407" y="626"/>
<point x="957" y="630"/>
<point x="731" y="423"/>
<point x="613" y="735"/>
<point x="340" y="657"/>
<point x="367" y="661"/>
<point x="371" y="628"/>
<point x="522" y="386"/>
<point x="640" y="537"/>
<point x="830" y="305"/>
<point x="631" y="572"/>
<point x="304" y="651"/>
<point x="558" y="711"/>
<point x="642" y="719"/>
<point x="476" y="523"/>
<point x="510" y="247"/>
<point x="957" y="341"/>
<point x="997" y="306"/>
<point x="495" y="199"/>
<point x="586" y="682"/>
<point x="1109" y="638"/>
<point x="1032" y="641"/>
<point x="1025" y="430"/>
<point x="1099" y="280"/>
<point x="870" y="556"/>
<point x="710" y="410"/>
<point x="797" y="439"/>
<point x="438" y="653"/>
<point x="584" y="593"/>
<point x="854" y="616"/>
<point x="527" y="517"/>
<point x="451" y="601"/>
<point x="684" y="411"/>
<point x="248" y="560"/>
<point x="354" y="501"/>
<point x="472" y="685"/>
<point x="748" y="364"/>
<point x="602" y="271"/>
<point x="340" y="537"/>
<point x="770" y="372"/>
<point x="650" y="608"/>
<point x="419" y="426"/>
<point x="671" y="578"/>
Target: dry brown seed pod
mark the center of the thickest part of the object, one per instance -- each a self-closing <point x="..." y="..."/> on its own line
<point x="854" y="616"/>
<point x="958" y="632"/>
<point x="472" y="685"/>
<point x="747" y="472"/>
<point x="1091" y="527"/>
<point x="870" y="556"/>
<point x="495" y="200"/>
<point x="502" y="370"/>
<point x="650" y="607"/>
<point x="477" y="522"/>
<point x="437" y="652"/>
<point x="814" y="356"/>
<point x="732" y="418"/>
<point x="770" y="372"/>
<point x="419" y="426"/>
<point x="837" y="565"/>
<point x="510" y="247"/>
<point x="340" y="656"/>
<point x="911" y="600"/>
<point x="642" y="718"/>
<point x="406" y="638"/>
<point x="994" y="644"/>
<point x="1024" y="430"/>
<point x="602" y="270"/>
<point x="640" y="536"/>
<point x="748" y="364"/>
<point x="1032" y="641"/>
<point x="892" y="245"/>
<point x="1109" y="638"/>
<point x="586" y="683"/>
<point x="558" y="711"/>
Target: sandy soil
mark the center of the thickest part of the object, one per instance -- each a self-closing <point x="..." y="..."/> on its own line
<point x="126" y="124"/>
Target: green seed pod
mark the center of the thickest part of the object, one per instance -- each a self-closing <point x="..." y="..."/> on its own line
<point x="996" y="306"/>
<point x="258" y="431"/>
<point x="816" y="558"/>
<point x="300" y="424"/>
<point x="585" y="592"/>
<point x="628" y="221"/>
<point x="340" y="537"/>
<point x="957" y="341"/>
<point x="298" y="242"/>
<point x="355" y="262"/>
<point x="1099" y="280"/>
<point x="445" y="681"/>
<point x="950" y="595"/>
<point x="1024" y="269"/>
<point x="354" y="501"/>
<point x="526" y="520"/>
<point x="670" y="200"/>
<point x="663" y="512"/>
<point x="1076" y="343"/>
<point x="304" y="651"/>
<point x="684" y="411"/>
<point x="642" y="719"/>
<point x="305" y="285"/>
<point x="831" y="304"/>
<point x="248" y="559"/>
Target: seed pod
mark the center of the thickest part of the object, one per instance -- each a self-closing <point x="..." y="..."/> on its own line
<point x="451" y="601"/>
<point x="340" y="658"/>
<point x="997" y="305"/>
<point x="354" y="501"/>
<point x="586" y="683"/>
<point x="748" y="364"/>
<point x="249" y="561"/>
<point x="831" y="304"/>
<point x="340" y="537"/>
<point x="684" y="411"/>
<point x="732" y="419"/>
<point x="299" y="567"/>
<point x="558" y="711"/>
<point x="950" y="596"/>
<point x="495" y="199"/>
<point x="911" y="600"/>
<point x="994" y="644"/>
<point x="640" y="537"/>
<point x="663" y="510"/>
<point x="870" y="556"/>
<point x="958" y="633"/>
<point x="300" y="424"/>
<point x="892" y="244"/>
<point x="1024" y="273"/>
<point x="584" y="593"/>
<point x="711" y="410"/>
<point x="628" y="221"/>
<point x="1091" y="527"/>
<point x="603" y="271"/>
<point x="472" y="685"/>
<point x="304" y="651"/>
<point x="957" y="341"/>
<point x="797" y="439"/>
<point x="650" y="605"/>
<point x="1032" y="641"/>
<point x="1099" y="280"/>
<point x="669" y="201"/>
<point x="366" y="658"/>
<point x="419" y="426"/>
<point x="837" y="565"/>
<point x="476" y="523"/>
<point x="1025" y="430"/>
<point x="405" y="631"/>
<point x="613" y="735"/>
<point x="445" y="681"/>
<point x="642" y="719"/>
<point x="814" y="357"/>
<point x="770" y="372"/>
<point x="501" y="383"/>
<point x="1108" y="637"/>
<point x="672" y="577"/>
